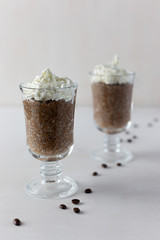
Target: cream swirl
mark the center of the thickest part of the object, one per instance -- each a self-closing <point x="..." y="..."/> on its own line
<point x="110" y="73"/>
<point x="48" y="86"/>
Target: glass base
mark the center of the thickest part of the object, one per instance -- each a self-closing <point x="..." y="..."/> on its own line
<point x="62" y="188"/>
<point x="112" y="158"/>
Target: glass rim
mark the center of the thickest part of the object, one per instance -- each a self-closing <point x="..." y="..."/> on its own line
<point x="24" y="86"/>
<point x="129" y="73"/>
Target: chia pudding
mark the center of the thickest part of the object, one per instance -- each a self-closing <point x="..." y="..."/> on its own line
<point x="49" y="116"/>
<point x="112" y="97"/>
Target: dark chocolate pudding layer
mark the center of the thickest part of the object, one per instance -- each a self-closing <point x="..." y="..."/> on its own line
<point x="49" y="126"/>
<point x="112" y="105"/>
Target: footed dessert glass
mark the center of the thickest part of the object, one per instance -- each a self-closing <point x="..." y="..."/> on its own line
<point x="49" y="133"/>
<point x="112" y="105"/>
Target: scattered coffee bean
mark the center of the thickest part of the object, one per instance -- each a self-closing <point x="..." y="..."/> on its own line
<point x="119" y="164"/>
<point x="76" y="210"/>
<point x="127" y="132"/>
<point x="63" y="206"/>
<point x="155" y="119"/>
<point x="94" y="173"/>
<point x="104" y="165"/>
<point x="16" y="222"/>
<point x="121" y="140"/>
<point x="134" y="136"/>
<point x="135" y="125"/>
<point x="129" y="140"/>
<point x="88" y="190"/>
<point x="75" y="201"/>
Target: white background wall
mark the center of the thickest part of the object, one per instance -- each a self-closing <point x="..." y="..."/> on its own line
<point x="71" y="36"/>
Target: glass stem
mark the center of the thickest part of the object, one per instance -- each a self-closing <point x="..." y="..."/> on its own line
<point x="50" y="171"/>
<point x="111" y="143"/>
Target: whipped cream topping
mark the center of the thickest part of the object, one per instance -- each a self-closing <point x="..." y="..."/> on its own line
<point x="48" y="86"/>
<point x="110" y="73"/>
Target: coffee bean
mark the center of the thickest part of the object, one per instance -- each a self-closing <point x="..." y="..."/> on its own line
<point x="135" y="125"/>
<point x="129" y="140"/>
<point x="75" y="201"/>
<point x="119" y="164"/>
<point x="16" y="222"/>
<point x="94" y="173"/>
<point x="76" y="210"/>
<point x="134" y="136"/>
<point x="88" y="190"/>
<point x="63" y="206"/>
<point x="104" y="165"/>
<point x="127" y="132"/>
<point x="121" y="140"/>
<point x="155" y="119"/>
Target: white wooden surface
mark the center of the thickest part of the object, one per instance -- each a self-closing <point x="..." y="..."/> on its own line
<point x="125" y="202"/>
